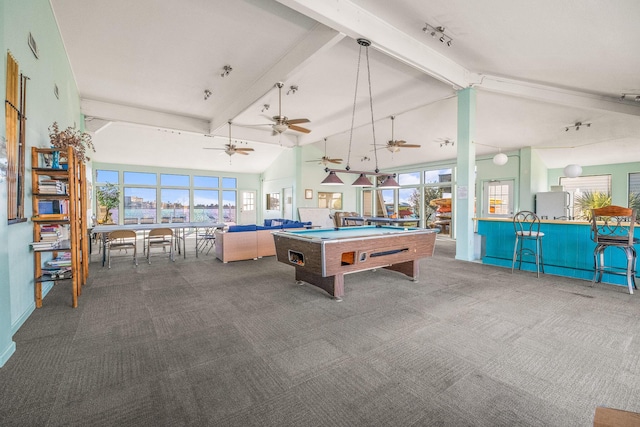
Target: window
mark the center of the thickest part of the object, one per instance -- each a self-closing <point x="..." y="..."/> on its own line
<point x="175" y="204"/>
<point x="229" y="205"/>
<point x="107" y="177"/>
<point x="102" y="210"/>
<point x="588" y="192"/>
<point x="174" y="180"/>
<point x="412" y="178"/>
<point x="205" y="205"/>
<point x="498" y="199"/>
<point x="229" y="183"/>
<point x="140" y="178"/>
<point x="139" y="203"/>
<point x="206" y="181"/>
<point x="273" y="201"/>
<point x="409" y="202"/>
<point x="330" y="200"/>
<point x="634" y="192"/>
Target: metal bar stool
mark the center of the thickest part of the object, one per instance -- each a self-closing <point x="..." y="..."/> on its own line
<point x="612" y="227"/>
<point x="527" y="228"/>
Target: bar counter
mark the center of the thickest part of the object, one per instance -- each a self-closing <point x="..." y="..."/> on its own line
<point x="566" y="246"/>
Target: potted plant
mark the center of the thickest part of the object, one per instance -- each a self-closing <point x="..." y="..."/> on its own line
<point x="71" y="137"/>
<point x="109" y="197"/>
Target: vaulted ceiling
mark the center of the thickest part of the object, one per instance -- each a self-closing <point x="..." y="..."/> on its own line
<point x="142" y="69"/>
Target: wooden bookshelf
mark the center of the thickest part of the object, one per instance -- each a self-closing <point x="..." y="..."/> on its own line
<point x="62" y="192"/>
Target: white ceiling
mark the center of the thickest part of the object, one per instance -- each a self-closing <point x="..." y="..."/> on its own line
<point x="142" y="68"/>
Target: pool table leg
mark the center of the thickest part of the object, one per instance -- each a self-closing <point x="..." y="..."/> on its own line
<point x="409" y="268"/>
<point x="334" y="285"/>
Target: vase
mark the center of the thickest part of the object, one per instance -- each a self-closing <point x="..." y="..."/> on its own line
<point x="55" y="160"/>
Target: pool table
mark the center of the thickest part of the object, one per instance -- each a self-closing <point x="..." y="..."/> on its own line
<point x="322" y="257"/>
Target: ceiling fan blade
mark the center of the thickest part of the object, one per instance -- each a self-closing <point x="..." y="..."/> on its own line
<point x="211" y="148"/>
<point x="244" y="149"/>
<point x="297" y="121"/>
<point x="399" y="142"/>
<point x="299" y="129"/>
<point x="410" y="146"/>
<point x="241" y="152"/>
<point x="334" y="161"/>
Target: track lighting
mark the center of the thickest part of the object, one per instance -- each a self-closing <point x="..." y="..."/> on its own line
<point x="265" y="107"/>
<point x="447" y="142"/>
<point x="576" y="126"/>
<point x="437" y="31"/>
<point x="292" y="89"/>
<point x="630" y="96"/>
<point x="226" y="70"/>
<point x="207" y="94"/>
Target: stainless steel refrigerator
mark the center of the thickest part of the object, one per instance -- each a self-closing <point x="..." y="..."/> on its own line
<point x="553" y="205"/>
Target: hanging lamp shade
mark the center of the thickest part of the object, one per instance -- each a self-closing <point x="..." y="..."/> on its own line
<point x="332" y="179"/>
<point x="572" y="171"/>
<point x="390" y="182"/>
<point x="500" y="159"/>
<point x="362" y="181"/>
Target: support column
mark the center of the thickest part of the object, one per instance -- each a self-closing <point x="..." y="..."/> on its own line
<point x="465" y="177"/>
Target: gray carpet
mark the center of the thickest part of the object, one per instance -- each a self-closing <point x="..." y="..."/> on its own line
<point x="198" y="342"/>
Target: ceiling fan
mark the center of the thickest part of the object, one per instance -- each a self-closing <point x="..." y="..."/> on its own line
<point x="283" y="123"/>
<point x="395" y="145"/>
<point x="325" y="159"/>
<point x="231" y="148"/>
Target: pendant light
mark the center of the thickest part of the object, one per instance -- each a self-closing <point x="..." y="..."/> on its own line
<point x="362" y="180"/>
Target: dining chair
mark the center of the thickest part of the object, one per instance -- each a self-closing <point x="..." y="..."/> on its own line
<point x="122" y="240"/>
<point x="159" y="238"/>
<point x="613" y="227"/>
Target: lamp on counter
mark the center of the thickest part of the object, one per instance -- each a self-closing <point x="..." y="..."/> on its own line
<point x="572" y="171"/>
<point x="362" y="180"/>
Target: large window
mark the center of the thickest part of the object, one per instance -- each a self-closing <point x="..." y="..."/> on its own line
<point x="634" y="192"/>
<point x="158" y="197"/>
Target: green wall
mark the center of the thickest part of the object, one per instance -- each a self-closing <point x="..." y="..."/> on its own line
<point x="19" y="18"/>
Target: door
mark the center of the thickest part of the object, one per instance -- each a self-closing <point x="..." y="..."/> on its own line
<point x="498" y="199"/>
<point x="247" y="207"/>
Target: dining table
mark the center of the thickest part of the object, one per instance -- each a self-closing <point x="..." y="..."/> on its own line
<point x="180" y="227"/>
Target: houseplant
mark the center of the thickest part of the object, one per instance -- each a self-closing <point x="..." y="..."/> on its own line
<point x="109" y="197"/>
<point x="71" y="137"/>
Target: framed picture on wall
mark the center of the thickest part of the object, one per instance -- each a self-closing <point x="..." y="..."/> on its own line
<point x="308" y="194"/>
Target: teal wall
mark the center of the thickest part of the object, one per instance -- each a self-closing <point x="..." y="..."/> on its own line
<point x="43" y="108"/>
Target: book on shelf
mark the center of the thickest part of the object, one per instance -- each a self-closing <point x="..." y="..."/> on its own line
<point x="43" y="246"/>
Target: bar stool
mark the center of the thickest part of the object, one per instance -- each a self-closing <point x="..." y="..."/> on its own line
<point x="527" y="228"/>
<point x="612" y="226"/>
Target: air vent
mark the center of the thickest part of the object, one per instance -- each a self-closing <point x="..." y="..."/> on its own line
<point x="33" y="45"/>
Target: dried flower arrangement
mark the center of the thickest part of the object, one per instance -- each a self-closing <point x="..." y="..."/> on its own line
<point x="71" y="137"/>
